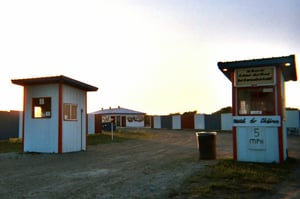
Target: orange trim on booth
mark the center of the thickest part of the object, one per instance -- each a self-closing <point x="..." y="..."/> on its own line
<point x="23" y="119"/>
<point x="280" y="112"/>
<point x="234" y="141"/>
<point x="86" y="122"/>
<point x="60" y="93"/>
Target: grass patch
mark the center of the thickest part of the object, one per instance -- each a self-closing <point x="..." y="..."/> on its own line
<point x="7" y="146"/>
<point x="232" y="179"/>
<point x="120" y="135"/>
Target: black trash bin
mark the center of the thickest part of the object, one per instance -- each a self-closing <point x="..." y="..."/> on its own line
<point x="206" y="142"/>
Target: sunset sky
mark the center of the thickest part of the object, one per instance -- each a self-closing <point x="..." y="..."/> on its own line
<point x="154" y="56"/>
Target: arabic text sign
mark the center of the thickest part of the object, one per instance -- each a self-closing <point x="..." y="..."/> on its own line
<point x="255" y="76"/>
<point x="273" y="120"/>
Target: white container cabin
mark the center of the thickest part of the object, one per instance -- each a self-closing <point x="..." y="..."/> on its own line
<point x="55" y="114"/>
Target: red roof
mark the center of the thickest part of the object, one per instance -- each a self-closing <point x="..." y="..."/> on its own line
<point x="54" y="79"/>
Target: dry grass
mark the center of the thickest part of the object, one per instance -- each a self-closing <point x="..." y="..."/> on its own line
<point x="120" y="135"/>
<point x="232" y="179"/>
<point x="7" y="146"/>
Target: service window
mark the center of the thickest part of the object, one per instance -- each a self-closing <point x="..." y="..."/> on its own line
<point x="256" y="101"/>
<point x="41" y="107"/>
<point x="70" y="111"/>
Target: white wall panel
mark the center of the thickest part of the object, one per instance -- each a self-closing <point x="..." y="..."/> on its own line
<point x="269" y="153"/>
<point x="292" y="119"/>
<point x="74" y="132"/>
<point x="41" y="135"/>
<point x="226" y="121"/>
<point x="176" y="122"/>
<point x="157" y="122"/>
<point x="199" y="120"/>
<point x="91" y="124"/>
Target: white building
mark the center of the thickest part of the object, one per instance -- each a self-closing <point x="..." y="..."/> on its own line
<point x="54" y="117"/>
<point x="122" y="117"/>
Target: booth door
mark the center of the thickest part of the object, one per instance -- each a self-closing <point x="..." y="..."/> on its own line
<point x="123" y="121"/>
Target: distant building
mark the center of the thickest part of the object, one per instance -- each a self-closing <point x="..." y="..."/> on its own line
<point x="121" y="117"/>
<point x="54" y="116"/>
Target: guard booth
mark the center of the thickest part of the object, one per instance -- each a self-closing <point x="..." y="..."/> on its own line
<point x="258" y="107"/>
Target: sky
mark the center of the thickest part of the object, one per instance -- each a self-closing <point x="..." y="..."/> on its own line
<point x="154" y="56"/>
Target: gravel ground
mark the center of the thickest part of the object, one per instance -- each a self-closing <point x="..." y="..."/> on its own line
<point x="132" y="169"/>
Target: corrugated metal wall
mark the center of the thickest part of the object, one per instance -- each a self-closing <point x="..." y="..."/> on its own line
<point x="292" y="119"/>
<point x="199" y="120"/>
<point x="226" y="121"/>
<point x="187" y="121"/>
<point x="41" y="135"/>
<point x="166" y="122"/>
<point x="9" y="124"/>
<point x="212" y="122"/>
<point x="176" y="122"/>
<point x="74" y="132"/>
<point x="91" y="124"/>
<point x="156" y="122"/>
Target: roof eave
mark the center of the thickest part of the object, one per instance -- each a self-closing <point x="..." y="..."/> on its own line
<point x="54" y="79"/>
<point x="289" y="72"/>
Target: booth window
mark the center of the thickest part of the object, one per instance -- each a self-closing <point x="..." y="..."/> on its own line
<point x="70" y="111"/>
<point x="41" y="107"/>
<point x="256" y="101"/>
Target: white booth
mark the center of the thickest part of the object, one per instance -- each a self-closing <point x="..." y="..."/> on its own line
<point x="258" y="107"/>
<point x="55" y="114"/>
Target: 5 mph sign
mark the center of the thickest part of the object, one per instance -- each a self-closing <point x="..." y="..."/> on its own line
<point x="256" y="138"/>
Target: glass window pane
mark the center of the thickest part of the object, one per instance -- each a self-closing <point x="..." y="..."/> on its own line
<point x="256" y="101"/>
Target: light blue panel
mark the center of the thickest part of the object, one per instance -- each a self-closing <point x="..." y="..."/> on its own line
<point x="292" y="119"/>
<point x="91" y="124"/>
<point x="41" y="135"/>
<point x="74" y="132"/>
<point x="157" y="122"/>
<point x="176" y="122"/>
<point x="226" y="121"/>
<point x="199" y="121"/>
<point x="267" y="153"/>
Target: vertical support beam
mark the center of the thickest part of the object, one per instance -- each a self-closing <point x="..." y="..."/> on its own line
<point x="280" y="112"/>
<point x="86" y="120"/>
<point x="23" y="118"/>
<point x="234" y="103"/>
<point x="60" y="119"/>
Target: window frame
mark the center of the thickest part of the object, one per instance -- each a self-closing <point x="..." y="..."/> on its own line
<point x="269" y="101"/>
<point x="69" y="115"/>
<point x="45" y="106"/>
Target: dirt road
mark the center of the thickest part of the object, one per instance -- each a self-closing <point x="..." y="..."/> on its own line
<point x="131" y="169"/>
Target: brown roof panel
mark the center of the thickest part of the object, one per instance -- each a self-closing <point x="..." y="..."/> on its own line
<point x="55" y="79"/>
<point x="287" y="64"/>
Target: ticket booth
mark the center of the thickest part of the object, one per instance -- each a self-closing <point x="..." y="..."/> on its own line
<point x="258" y="107"/>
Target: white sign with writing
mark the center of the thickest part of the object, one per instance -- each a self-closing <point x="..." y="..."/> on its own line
<point x="256" y="138"/>
<point x="273" y="120"/>
<point x="255" y="76"/>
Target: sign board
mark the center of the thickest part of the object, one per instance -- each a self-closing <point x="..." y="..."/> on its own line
<point x="256" y="138"/>
<point x="271" y="121"/>
<point x="255" y="76"/>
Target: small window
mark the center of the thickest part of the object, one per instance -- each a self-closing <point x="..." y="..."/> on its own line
<point x="41" y="107"/>
<point x="70" y="111"/>
<point x="256" y="101"/>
